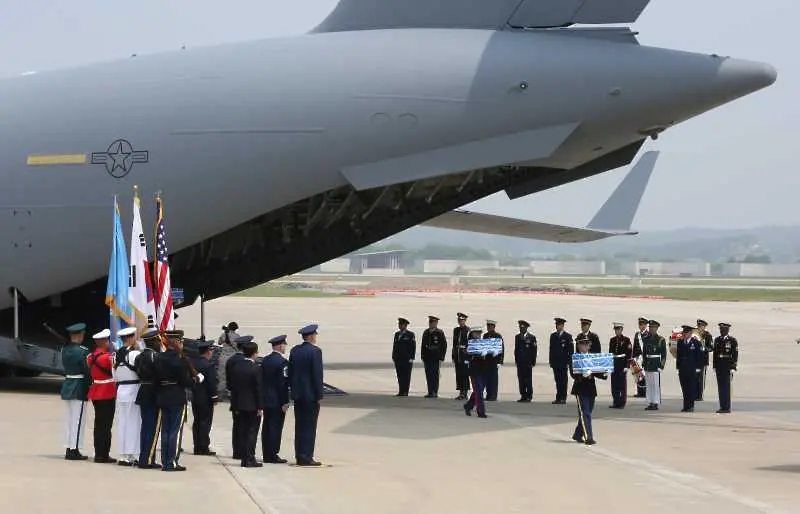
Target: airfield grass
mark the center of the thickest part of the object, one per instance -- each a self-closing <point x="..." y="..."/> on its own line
<point x="274" y="291"/>
<point x="705" y="295"/>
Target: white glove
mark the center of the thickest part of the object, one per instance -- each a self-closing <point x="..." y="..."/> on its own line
<point x="587" y="373"/>
<point x="483" y="353"/>
<point x="200" y="378"/>
<point x="410" y="361"/>
<point x="698" y="370"/>
<point x="498" y="366"/>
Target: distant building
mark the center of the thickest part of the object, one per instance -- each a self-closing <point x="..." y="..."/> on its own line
<point x="686" y="268"/>
<point x="752" y="269"/>
<point x="389" y="262"/>
<point x="451" y="266"/>
<point x="568" y="267"/>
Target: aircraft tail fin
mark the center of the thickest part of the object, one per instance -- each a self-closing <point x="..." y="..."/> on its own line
<point x="349" y="15"/>
<point x="618" y="211"/>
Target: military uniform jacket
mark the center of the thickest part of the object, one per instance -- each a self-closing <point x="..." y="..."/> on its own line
<point x="594" y="342"/>
<point x="622" y="349"/>
<point x="247" y="387"/>
<point x="637" y="344"/>
<point x="492" y="359"/>
<point x="404" y="348"/>
<point x="145" y="365"/>
<point x="726" y="353"/>
<point x="275" y="380"/>
<point x="460" y="338"/>
<point x="561" y="350"/>
<point x="689" y="354"/>
<point x="708" y="345"/>
<point x="434" y="345"/>
<point x="584" y="386"/>
<point x="103" y="386"/>
<point x="204" y="394"/>
<point x="125" y="374"/>
<point x="77" y="379"/>
<point x="525" y="349"/>
<point x="654" y="348"/>
<point x="305" y="373"/>
<point x="174" y="378"/>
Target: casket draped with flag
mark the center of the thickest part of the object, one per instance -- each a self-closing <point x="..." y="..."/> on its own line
<point x="593" y="362"/>
<point x="488" y="346"/>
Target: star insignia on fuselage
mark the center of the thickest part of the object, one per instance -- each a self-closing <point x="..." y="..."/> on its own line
<point x="120" y="158"/>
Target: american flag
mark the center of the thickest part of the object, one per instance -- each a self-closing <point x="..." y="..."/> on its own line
<point x="165" y="317"/>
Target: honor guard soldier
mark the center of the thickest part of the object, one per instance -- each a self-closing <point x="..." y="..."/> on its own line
<point x="404" y="350"/>
<point x="478" y="369"/>
<point x="275" y="380"/>
<point x="708" y="346"/>
<point x="726" y="359"/>
<point x="460" y="357"/>
<point x="594" y="339"/>
<point x="247" y="401"/>
<point x="145" y="365"/>
<point x="494" y="362"/>
<point x="525" y="350"/>
<point x="306" y="387"/>
<point x="654" y="349"/>
<point x="561" y="350"/>
<point x="641" y="383"/>
<point x="204" y="396"/>
<point x="585" y="391"/>
<point x="103" y="394"/>
<point x="174" y="377"/>
<point x="230" y="364"/>
<point x="689" y="360"/>
<point x="74" y="390"/>
<point x="433" y="351"/>
<point x="620" y="346"/>
<point x="129" y="418"/>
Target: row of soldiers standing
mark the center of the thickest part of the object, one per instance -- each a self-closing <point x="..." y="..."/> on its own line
<point x="647" y="352"/>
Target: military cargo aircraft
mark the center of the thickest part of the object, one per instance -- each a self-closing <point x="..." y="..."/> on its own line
<point x="275" y="155"/>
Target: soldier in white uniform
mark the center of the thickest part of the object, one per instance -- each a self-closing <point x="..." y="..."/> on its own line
<point x="129" y="419"/>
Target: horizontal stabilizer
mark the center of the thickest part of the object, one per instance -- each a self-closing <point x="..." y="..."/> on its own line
<point x="501" y="226"/>
<point x="351" y="15"/>
<point x="497" y="151"/>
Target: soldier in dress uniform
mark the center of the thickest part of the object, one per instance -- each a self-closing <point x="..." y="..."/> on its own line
<point x="129" y="418"/>
<point x="174" y="377"/>
<point x="594" y="339"/>
<point x="689" y="360"/>
<point x="74" y="390"/>
<point x="561" y="350"/>
<point x="460" y="357"/>
<point x="478" y="369"/>
<point x="103" y="394"/>
<point x="145" y="366"/>
<point x="654" y="349"/>
<point x="641" y="382"/>
<point x="622" y="349"/>
<point x="494" y="362"/>
<point x="525" y="351"/>
<point x="306" y="388"/>
<point x="230" y="364"/>
<point x="585" y="391"/>
<point x="433" y="350"/>
<point x="404" y="350"/>
<point x="708" y="346"/>
<point x="726" y="359"/>
<point x="247" y="401"/>
<point x="275" y="380"/>
<point x="204" y="396"/>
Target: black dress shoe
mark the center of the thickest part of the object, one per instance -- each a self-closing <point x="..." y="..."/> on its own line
<point x="207" y="453"/>
<point x="484" y="416"/>
<point x="275" y="459"/>
<point x="309" y="463"/>
<point x="590" y="442"/>
<point x="125" y="463"/>
<point x="723" y="411"/>
<point x="105" y="460"/>
<point x="577" y="439"/>
<point x="252" y="464"/>
<point x="467" y="411"/>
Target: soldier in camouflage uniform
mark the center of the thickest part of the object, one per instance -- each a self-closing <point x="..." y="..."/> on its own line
<point x="225" y="348"/>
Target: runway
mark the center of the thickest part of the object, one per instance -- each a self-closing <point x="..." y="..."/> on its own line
<point x="400" y="455"/>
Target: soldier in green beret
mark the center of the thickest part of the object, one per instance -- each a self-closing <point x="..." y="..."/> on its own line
<point x="74" y="390"/>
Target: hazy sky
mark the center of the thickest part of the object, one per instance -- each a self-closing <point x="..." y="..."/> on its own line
<point x="731" y="168"/>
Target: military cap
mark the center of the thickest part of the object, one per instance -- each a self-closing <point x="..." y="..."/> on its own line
<point x="76" y="328"/>
<point x="702" y="322"/>
<point x="461" y="315"/>
<point x="233" y="326"/>
<point x="559" y="321"/>
<point x="585" y="321"/>
<point x="476" y="328"/>
<point x="654" y="323"/>
<point x="617" y="324"/>
<point x="432" y="318"/>
<point x="103" y="334"/>
<point x="491" y="322"/>
<point x="278" y="340"/>
<point x="150" y="333"/>
<point x="204" y="345"/>
<point x="243" y="340"/>
<point x="308" y="330"/>
<point x="687" y="328"/>
<point x="174" y="334"/>
<point x="523" y="323"/>
<point x="127" y="331"/>
<point x="581" y="338"/>
<point x="644" y="320"/>
<point x="402" y="320"/>
<point x="724" y="325"/>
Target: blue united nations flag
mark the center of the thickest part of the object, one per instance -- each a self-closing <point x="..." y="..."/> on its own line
<point x="118" y="276"/>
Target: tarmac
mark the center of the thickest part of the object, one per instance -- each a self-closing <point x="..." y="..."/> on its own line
<point x="400" y="455"/>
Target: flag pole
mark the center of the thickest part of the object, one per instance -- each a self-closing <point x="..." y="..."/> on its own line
<point x="112" y="317"/>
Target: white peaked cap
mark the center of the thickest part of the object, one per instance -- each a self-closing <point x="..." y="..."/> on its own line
<point x="104" y="334"/>
<point x="127" y="331"/>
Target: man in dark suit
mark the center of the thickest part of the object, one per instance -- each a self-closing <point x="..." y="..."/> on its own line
<point x="229" y="366"/>
<point x="305" y="380"/>
<point x="246" y="402"/>
<point x="274" y="378"/>
<point x="204" y="396"/>
<point x="561" y="350"/>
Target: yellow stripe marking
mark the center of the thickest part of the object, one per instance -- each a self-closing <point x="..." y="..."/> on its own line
<point x="51" y="160"/>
